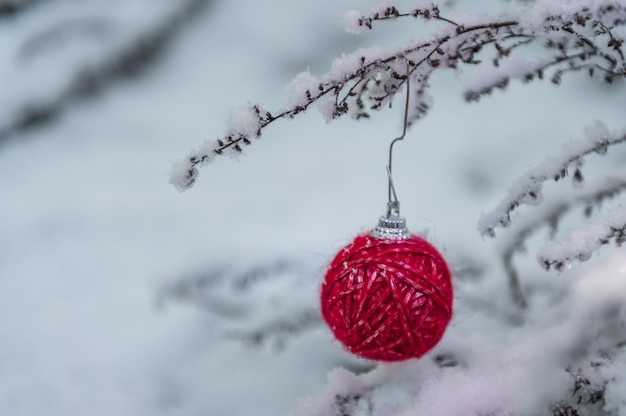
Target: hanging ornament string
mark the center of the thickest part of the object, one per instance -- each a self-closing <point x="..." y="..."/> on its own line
<point x="388" y="295"/>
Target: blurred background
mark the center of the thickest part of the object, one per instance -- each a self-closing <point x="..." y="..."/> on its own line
<point x="121" y="296"/>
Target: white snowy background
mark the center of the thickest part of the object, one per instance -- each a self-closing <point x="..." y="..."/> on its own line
<point x="91" y="232"/>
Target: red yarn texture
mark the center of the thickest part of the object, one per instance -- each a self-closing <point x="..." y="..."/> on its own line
<point x="387" y="300"/>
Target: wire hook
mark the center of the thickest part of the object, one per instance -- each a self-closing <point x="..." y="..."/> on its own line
<point x="391" y="189"/>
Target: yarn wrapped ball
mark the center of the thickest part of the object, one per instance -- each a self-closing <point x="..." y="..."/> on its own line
<point x="387" y="299"/>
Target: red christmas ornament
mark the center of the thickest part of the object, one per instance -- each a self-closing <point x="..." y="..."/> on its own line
<point x="387" y="296"/>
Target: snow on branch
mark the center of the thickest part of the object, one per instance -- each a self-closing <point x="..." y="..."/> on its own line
<point x="249" y="303"/>
<point x="356" y="22"/>
<point x="580" y="244"/>
<point x="585" y="35"/>
<point x="550" y="217"/>
<point x="528" y="188"/>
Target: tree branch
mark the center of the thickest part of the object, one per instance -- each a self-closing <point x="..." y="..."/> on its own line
<point x="580" y="244"/>
<point x="368" y="80"/>
<point x="527" y="189"/>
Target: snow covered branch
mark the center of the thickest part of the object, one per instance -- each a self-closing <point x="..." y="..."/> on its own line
<point x="527" y="190"/>
<point x="580" y="244"/>
<point x="550" y="217"/>
<point x="250" y="304"/>
<point x="356" y="22"/>
<point x="567" y="39"/>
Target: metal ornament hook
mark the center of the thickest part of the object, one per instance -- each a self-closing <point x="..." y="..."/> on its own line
<point x="405" y="125"/>
<point x="392" y="225"/>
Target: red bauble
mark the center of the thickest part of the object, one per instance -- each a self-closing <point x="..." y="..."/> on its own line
<point x="387" y="299"/>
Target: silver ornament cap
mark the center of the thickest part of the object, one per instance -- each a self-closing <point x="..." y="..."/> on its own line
<point x="392" y="225"/>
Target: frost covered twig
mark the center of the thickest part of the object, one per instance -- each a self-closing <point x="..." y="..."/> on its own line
<point x="550" y="217"/>
<point x="357" y="83"/>
<point x="528" y="188"/>
<point x="356" y="22"/>
<point x="581" y="37"/>
<point x="250" y="303"/>
<point x="580" y="244"/>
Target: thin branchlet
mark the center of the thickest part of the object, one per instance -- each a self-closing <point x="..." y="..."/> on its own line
<point x="391" y="13"/>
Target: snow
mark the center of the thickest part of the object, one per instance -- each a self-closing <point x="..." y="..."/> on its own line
<point x="581" y="243"/>
<point x="295" y="92"/>
<point x="243" y="120"/>
<point x="351" y="17"/>
<point x="348" y="64"/>
<point x="567" y="9"/>
<point x="597" y="132"/>
<point x="351" y="20"/>
<point x="179" y="174"/>
<point x="343" y="382"/>
<point x="516" y="66"/>
<point x="91" y="232"/>
<point x="615" y="393"/>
